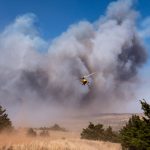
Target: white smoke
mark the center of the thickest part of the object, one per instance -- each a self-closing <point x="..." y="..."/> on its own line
<point x="41" y="86"/>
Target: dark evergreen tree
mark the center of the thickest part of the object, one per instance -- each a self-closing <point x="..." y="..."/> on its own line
<point x="92" y="132"/>
<point x="110" y="135"/>
<point x="136" y="134"/>
<point x="5" y="122"/>
<point x="146" y="109"/>
<point x="97" y="132"/>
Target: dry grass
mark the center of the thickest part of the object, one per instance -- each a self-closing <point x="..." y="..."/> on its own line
<point x="68" y="145"/>
<point x="65" y="140"/>
<point x="56" y="141"/>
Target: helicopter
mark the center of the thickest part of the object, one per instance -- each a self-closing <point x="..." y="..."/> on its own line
<point x="84" y="80"/>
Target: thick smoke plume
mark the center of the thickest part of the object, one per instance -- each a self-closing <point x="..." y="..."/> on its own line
<point x="39" y="86"/>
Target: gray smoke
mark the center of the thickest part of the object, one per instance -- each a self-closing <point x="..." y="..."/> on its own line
<point x="44" y="86"/>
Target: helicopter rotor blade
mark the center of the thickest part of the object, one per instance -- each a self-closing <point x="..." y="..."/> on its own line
<point x="90" y="75"/>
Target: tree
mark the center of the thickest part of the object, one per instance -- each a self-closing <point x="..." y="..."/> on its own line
<point x="136" y="134"/>
<point x="97" y="132"/>
<point x="5" y="122"/>
<point x="57" y="128"/>
<point x="93" y="132"/>
<point x="146" y="109"/>
<point x="110" y="135"/>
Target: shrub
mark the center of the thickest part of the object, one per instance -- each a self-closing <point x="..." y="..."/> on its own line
<point x="44" y="133"/>
<point x="31" y="132"/>
<point x="97" y="132"/>
<point x="57" y="128"/>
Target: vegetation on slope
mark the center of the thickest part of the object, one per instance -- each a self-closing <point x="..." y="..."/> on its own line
<point x="135" y="135"/>
<point x="55" y="127"/>
<point x="5" y="122"/>
<point x="97" y="132"/>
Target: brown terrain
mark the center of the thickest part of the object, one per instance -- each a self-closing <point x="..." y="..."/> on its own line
<point x="70" y="140"/>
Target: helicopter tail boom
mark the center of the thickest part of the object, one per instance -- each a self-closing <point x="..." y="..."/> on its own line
<point x="90" y="75"/>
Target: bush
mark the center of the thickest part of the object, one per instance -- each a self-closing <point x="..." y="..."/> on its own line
<point x="97" y="132"/>
<point x="56" y="127"/>
<point x="110" y="135"/>
<point x="31" y="132"/>
<point x="44" y="133"/>
<point x="5" y="122"/>
<point x="136" y="134"/>
<point x="92" y="132"/>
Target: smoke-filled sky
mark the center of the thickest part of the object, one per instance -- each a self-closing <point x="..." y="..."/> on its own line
<point x="39" y="76"/>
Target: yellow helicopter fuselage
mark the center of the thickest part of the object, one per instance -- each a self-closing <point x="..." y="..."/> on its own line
<point x="84" y="81"/>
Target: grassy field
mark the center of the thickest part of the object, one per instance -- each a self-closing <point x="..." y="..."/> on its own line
<point x="56" y="141"/>
<point x="70" y="140"/>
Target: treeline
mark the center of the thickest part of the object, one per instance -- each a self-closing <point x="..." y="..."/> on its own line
<point x="97" y="132"/>
<point x="32" y="133"/>
<point x="135" y="135"/>
<point x="55" y="127"/>
<point x="44" y="131"/>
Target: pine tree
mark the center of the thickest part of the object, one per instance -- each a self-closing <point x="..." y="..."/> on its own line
<point x="110" y="135"/>
<point x="146" y="109"/>
<point x="93" y="132"/>
<point x="136" y="134"/>
<point x="97" y="132"/>
<point x="5" y="122"/>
